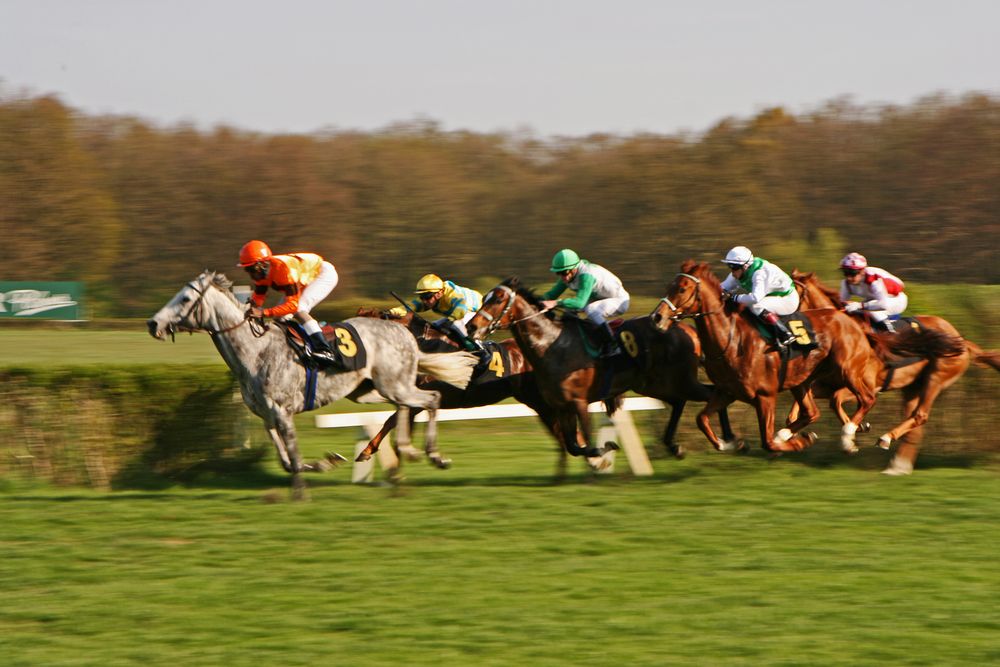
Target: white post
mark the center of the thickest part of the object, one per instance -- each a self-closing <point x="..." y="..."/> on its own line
<point x="628" y="438"/>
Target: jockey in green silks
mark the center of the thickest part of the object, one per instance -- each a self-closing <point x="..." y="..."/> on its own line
<point x="764" y="288"/>
<point x="599" y="294"/>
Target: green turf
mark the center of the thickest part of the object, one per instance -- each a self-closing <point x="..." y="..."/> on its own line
<point x="716" y="560"/>
<point x="63" y="346"/>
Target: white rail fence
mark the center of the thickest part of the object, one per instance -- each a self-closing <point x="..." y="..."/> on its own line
<point x="621" y="430"/>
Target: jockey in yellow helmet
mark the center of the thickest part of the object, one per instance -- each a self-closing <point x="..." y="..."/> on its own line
<point x="457" y="304"/>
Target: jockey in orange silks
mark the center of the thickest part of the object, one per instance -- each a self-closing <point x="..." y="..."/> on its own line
<point x="304" y="278"/>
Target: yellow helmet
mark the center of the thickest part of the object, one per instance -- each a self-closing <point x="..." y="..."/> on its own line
<point x="429" y="283"/>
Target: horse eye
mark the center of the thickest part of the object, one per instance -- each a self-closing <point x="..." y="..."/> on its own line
<point x="185" y="299"/>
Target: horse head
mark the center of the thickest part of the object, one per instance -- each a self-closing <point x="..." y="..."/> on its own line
<point x="686" y="295"/>
<point x="813" y="293"/>
<point x="188" y="310"/>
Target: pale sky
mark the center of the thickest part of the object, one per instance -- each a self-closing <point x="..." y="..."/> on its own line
<point x="559" y="67"/>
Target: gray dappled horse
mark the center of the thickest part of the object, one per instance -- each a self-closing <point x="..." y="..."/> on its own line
<point x="273" y="381"/>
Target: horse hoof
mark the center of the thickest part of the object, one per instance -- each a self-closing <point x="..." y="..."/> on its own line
<point x="440" y="463"/>
<point x="362" y="457"/>
<point x="678" y="452"/>
<point x="332" y="460"/>
<point x="884" y="443"/>
<point x="864" y="427"/>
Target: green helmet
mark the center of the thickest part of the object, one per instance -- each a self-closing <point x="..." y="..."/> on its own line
<point x="564" y="260"/>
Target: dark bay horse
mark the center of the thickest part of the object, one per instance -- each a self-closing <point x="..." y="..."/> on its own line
<point x="272" y="380"/>
<point x="745" y="367"/>
<point x="920" y="381"/>
<point x="507" y="375"/>
<point x="570" y="378"/>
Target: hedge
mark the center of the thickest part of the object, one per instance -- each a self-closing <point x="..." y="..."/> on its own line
<point x="113" y="427"/>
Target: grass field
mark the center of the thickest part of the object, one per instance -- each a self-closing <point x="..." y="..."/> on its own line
<point x="811" y="559"/>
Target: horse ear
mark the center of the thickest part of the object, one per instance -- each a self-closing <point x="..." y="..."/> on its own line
<point x="513" y="282"/>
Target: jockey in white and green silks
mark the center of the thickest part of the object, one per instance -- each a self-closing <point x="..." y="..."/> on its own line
<point x="458" y="305"/>
<point x="763" y="287"/>
<point x="599" y="293"/>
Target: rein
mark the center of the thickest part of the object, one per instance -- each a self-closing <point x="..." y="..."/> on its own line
<point x="494" y="324"/>
<point x="257" y="326"/>
<point x="700" y="314"/>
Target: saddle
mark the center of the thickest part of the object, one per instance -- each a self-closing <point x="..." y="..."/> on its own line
<point x="591" y="333"/>
<point x="343" y="338"/>
<point x="798" y="323"/>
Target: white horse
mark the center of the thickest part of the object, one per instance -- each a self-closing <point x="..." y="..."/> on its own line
<point x="273" y="381"/>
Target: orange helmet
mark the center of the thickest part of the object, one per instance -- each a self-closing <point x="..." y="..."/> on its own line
<point x="253" y="252"/>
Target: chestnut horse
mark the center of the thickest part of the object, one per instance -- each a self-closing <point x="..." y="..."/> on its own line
<point x="921" y="382"/>
<point x="515" y="380"/>
<point x="746" y="367"/>
<point x="665" y="366"/>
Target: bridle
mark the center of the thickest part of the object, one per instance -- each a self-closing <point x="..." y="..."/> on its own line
<point x="700" y="312"/>
<point x="697" y="293"/>
<point x="497" y="323"/>
<point x="257" y="328"/>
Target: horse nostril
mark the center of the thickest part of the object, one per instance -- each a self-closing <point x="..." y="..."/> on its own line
<point x="152" y="325"/>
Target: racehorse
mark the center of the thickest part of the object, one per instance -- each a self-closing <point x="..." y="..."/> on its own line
<point x="508" y="375"/>
<point x="921" y="380"/>
<point x="570" y="378"/>
<point x="744" y="366"/>
<point x="274" y="383"/>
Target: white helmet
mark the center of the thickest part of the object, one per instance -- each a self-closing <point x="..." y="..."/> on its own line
<point x="738" y="256"/>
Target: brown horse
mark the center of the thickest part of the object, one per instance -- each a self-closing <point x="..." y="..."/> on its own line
<point x="663" y="366"/>
<point x="744" y="366"/>
<point x="920" y="381"/>
<point x="507" y="375"/>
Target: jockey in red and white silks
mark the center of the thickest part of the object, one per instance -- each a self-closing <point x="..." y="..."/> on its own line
<point x="881" y="293"/>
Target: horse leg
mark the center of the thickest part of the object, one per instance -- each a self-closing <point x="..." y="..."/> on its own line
<point x="430" y="446"/>
<point x="864" y="393"/>
<point x="807" y="412"/>
<point x="905" y="456"/>
<point x="408" y="451"/>
<point x="764" y="406"/>
<point x="373" y="445"/>
<point x="676" y="410"/>
<point x="717" y="402"/>
<point x="283" y="436"/>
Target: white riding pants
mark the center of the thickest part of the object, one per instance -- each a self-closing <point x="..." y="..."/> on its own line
<point x="458" y="324"/>
<point x="779" y="305"/>
<point x="598" y="312"/>
<point x="318" y="289"/>
<point x="894" y="305"/>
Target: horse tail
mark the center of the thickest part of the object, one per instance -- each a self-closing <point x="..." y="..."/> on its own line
<point x="990" y="358"/>
<point x="455" y="368"/>
<point x="926" y="343"/>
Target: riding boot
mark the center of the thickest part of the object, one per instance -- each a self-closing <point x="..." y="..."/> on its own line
<point x="783" y="337"/>
<point x="887" y="326"/>
<point x="609" y="345"/>
<point x="319" y="349"/>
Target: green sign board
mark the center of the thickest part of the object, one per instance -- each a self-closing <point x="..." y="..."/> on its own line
<point x="41" y="300"/>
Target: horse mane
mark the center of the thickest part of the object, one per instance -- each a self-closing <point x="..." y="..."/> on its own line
<point x="525" y="293"/>
<point x="808" y="280"/>
<point x="702" y="271"/>
<point x="222" y="283"/>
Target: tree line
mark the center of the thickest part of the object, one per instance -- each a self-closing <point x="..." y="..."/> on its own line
<point x="135" y="209"/>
